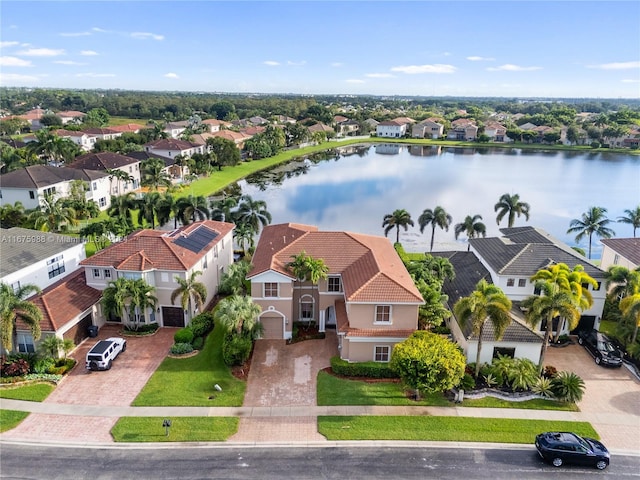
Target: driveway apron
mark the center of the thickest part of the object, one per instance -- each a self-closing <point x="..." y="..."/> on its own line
<point x="117" y="387"/>
<point x="284" y="375"/>
<point x="611" y="400"/>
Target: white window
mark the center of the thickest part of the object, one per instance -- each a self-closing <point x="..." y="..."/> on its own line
<point x="270" y="289"/>
<point x="25" y="343"/>
<point x="511" y="282"/>
<point x="96" y="273"/>
<point x="131" y="275"/>
<point x="383" y="314"/>
<point x="15" y="286"/>
<point x="333" y="284"/>
<point x="55" y="266"/>
<point x="306" y="308"/>
<point x="381" y="353"/>
<point x="522" y="282"/>
<point x="107" y="273"/>
<point x="103" y="202"/>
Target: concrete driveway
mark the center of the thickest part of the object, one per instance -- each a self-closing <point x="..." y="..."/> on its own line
<point x="284" y="375"/>
<point x="612" y="398"/>
<point x="118" y="387"/>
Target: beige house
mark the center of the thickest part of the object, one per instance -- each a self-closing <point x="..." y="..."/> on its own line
<point x="463" y="129"/>
<point x="368" y="297"/>
<point x="428" y="128"/>
<point x="623" y="252"/>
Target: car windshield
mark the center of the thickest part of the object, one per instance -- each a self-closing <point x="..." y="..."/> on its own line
<point x="606" y="347"/>
<point x="583" y="443"/>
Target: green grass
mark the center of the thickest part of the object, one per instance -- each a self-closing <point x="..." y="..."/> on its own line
<point x="183" y="429"/>
<point x="447" y="429"/>
<point x="338" y="391"/>
<point x="190" y="381"/>
<point x="11" y="419"/>
<point x="35" y="392"/>
<point x="116" y="121"/>
<point x="535" y="404"/>
<point x="608" y="327"/>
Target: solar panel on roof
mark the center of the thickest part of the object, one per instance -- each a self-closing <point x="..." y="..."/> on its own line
<point x="196" y="240"/>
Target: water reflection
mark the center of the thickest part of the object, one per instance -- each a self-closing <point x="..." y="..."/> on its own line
<point x="355" y="192"/>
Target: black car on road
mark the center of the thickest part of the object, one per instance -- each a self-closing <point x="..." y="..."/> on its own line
<point x="601" y="348"/>
<point x="559" y="448"/>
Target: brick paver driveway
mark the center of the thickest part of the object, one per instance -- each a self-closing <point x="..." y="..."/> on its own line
<point x="612" y="397"/>
<point x="285" y="375"/>
<point x="118" y="386"/>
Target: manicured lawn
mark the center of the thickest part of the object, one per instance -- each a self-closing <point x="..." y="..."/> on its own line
<point x="190" y="381"/>
<point x="116" y="121"/>
<point x="535" y="404"/>
<point x="35" y="392"/>
<point x="448" y="429"/>
<point x="183" y="429"/>
<point x="338" y="391"/>
<point x="10" y="419"/>
<point x="608" y="327"/>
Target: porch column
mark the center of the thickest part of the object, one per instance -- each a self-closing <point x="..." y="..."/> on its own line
<point x="322" y="320"/>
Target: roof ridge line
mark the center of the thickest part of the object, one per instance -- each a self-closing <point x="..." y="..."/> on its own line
<point x="514" y="258"/>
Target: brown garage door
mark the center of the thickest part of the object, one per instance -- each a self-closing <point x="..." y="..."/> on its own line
<point x="172" y="317"/>
<point x="79" y="331"/>
<point x="272" y="327"/>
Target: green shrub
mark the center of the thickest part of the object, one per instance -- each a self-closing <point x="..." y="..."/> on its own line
<point x="202" y="324"/>
<point x="467" y="382"/>
<point x="236" y="349"/>
<point x="42" y="365"/>
<point x="143" y="329"/>
<point x="197" y="343"/>
<point x="568" y="387"/>
<point x="441" y="330"/>
<point x="43" y="376"/>
<point x="522" y="374"/>
<point x="184" y="335"/>
<point x="362" y="369"/>
<point x="543" y="387"/>
<point x="181" y="348"/>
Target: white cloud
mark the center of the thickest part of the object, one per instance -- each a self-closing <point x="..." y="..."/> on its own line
<point x="616" y="66"/>
<point x="475" y="58"/>
<point x="14" y="62"/>
<point x="68" y="62"/>
<point x="75" y="34"/>
<point x="513" y="68"/>
<point x="42" y="52"/>
<point x="296" y="64"/>
<point x="8" y="44"/>
<point x="379" y="75"/>
<point x="354" y="80"/>
<point x="415" y="69"/>
<point x="101" y="30"/>
<point x="630" y="80"/>
<point x="171" y="75"/>
<point x="88" y="53"/>
<point x="7" y="78"/>
<point x="146" y="36"/>
<point x="95" y="75"/>
<point x="337" y="64"/>
<point x="271" y="63"/>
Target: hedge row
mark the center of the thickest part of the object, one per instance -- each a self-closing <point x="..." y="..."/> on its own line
<point x="362" y="369"/>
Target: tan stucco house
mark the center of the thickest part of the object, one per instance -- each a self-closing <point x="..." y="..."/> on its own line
<point x="368" y="297"/>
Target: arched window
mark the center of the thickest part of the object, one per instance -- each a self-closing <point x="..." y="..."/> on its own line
<point x="307" y="304"/>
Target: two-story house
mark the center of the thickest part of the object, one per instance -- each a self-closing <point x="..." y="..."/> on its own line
<point x="102" y="133"/>
<point x="516" y="256"/>
<point x="391" y="129"/>
<point x="29" y="185"/>
<point x="463" y="129"/>
<point x="428" y="128"/>
<point x="368" y="296"/>
<point x="107" y="161"/>
<point x="623" y="252"/>
<point x="170" y="148"/>
<point x="70" y="116"/>
<point x="159" y="257"/>
<point x="496" y="132"/>
<point x="175" y="129"/>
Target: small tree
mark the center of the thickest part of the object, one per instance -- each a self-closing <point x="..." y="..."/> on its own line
<point x="426" y="362"/>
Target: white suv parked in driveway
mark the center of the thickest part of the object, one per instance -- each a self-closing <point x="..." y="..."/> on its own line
<point x="103" y="353"/>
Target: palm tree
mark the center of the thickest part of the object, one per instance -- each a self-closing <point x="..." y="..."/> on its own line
<point x="53" y="215"/>
<point x="119" y="175"/>
<point x="437" y="217"/>
<point x="121" y="207"/>
<point x="592" y="221"/>
<point x="486" y="302"/>
<point x="306" y="268"/>
<point x="630" y="308"/>
<point x="166" y="208"/>
<point x="13" y="306"/>
<point x="53" y="147"/>
<point x="190" y="291"/>
<point x="511" y="205"/>
<point x="141" y="299"/>
<point x="472" y="227"/>
<point x="244" y="234"/>
<point x="632" y="218"/>
<point x="623" y="280"/>
<point x="399" y="218"/>
<point x="253" y="212"/>
<point x="148" y="208"/>
<point x="221" y="209"/>
<point x="12" y="215"/>
<point x="114" y="298"/>
<point x="96" y="232"/>
<point x="153" y="174"/>
<point x="192" y="208"/>
<point x="239" y="315"/>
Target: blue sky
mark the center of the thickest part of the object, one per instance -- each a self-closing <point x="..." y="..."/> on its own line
<point x="431" y="48"/>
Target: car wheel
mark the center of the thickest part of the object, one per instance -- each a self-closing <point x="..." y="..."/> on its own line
<point x="580" y="341"/>
<point x="109" y="365"/>
<point x="93" y="366"/>
<point x="557" y="462"/>
<point x="598" y="360"/>
<point x="601" y="465"/>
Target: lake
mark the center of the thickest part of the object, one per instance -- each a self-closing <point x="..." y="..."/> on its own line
<point x="354" y="187"/>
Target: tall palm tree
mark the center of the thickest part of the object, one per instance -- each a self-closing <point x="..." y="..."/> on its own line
<point x="115" y="297"/>
<point x="12" y="215"/>
<point x="486" y="303"/>
<point x="14" y="305"/>
<point x="472" y="227"/>
<point x="630" y="308"/>
<point x="153" y="174"/>
<point x="141" y="299"/>
<point x="190" y="291"/>
<point x="121" y="176"/>
<point x="307" y="268"/>
<point x="253" y="212"/>
<point x="437" y="217"/>
<point x="399" y="218"/>
<point x="244" y="235"/>
<point x="148" y="208"/>
<point x="122" y="206"/>
<point x="222" y="209"/>
<point x="632" y="218"/>
<point x="167" y="207"/>
<point x="592" y="221"/>
<point x="53" y="215"/>
<point x="622" y="279"/>
<point x="511" y="206"/>
<point x="192" y="208"/>
<point x="52" y="147"/>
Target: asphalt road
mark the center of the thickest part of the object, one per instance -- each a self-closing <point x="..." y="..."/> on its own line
<point x="300" y="463"/>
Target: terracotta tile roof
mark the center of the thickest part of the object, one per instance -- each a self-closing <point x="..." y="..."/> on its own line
<point x="102" y="161"/>
<point x="391" y="123"/>
<point x="320" y="127"/>
<point x="61" y="132"/>
<point x="250" y="131"/>
<point x="236" y="137"/>
<point x="371" y="269"/>
<point x="71" y="113"/>
<point x="155" y="249"/>
<point x="100" y="131"/>
<point x="63" y="301"/>
<point x="403" y="120"/>
<point x="629" y="248"/>
<point x="213" y="121"/>
<point x="129" y="127"/>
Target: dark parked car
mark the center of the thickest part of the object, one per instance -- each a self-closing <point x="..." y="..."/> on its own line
<point x="601" y="348"/>
<point x="559" y="448"/>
